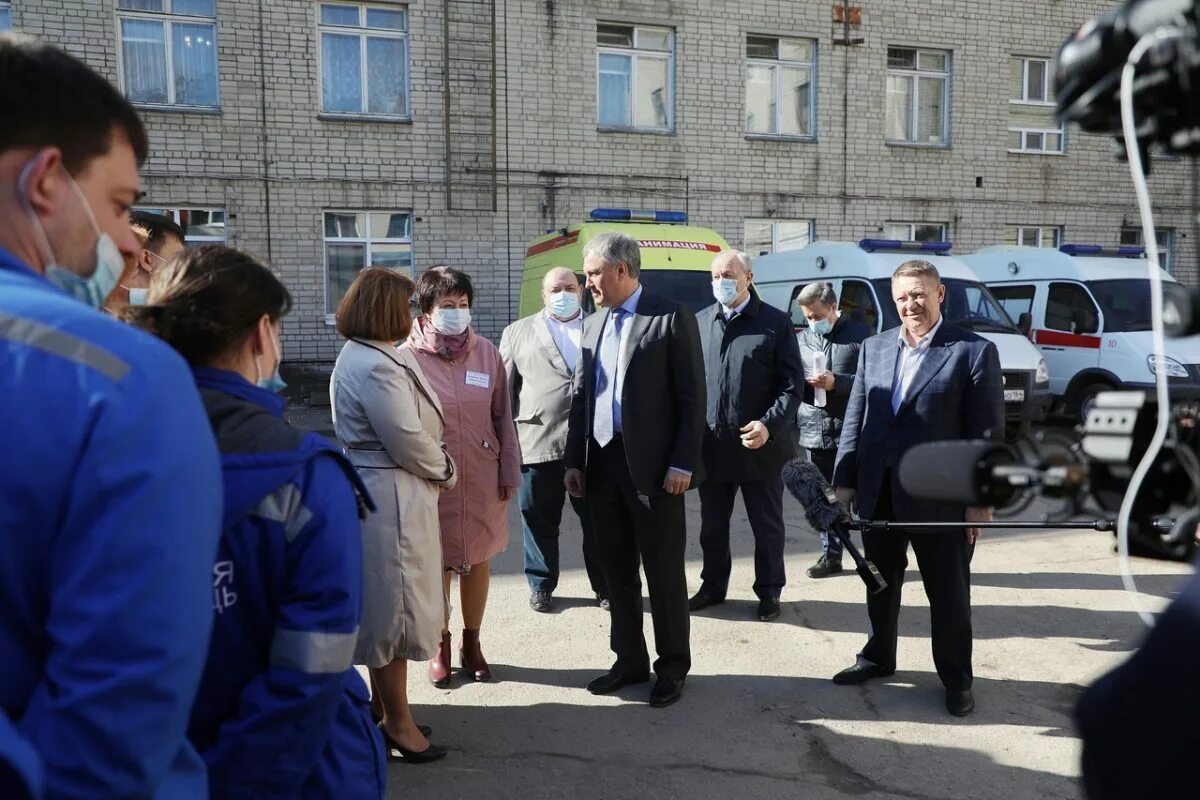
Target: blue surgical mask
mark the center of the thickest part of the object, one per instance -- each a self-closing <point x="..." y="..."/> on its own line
<point x="451" y="321"/>
<point x="274" y="383"/>
<point x="821" y="327"/>
<point x="564" y="305"/>
<point x="725" y="290"/>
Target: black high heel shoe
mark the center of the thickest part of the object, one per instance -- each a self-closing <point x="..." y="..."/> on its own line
<point x="431" y="753"/>
<point x="426" y="730"/>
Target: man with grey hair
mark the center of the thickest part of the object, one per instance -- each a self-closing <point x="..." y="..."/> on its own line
<point x="752" y="368"/>
<point x="633" y="449"/>
<point x="924" y="381"/>
<point x="835" y="340"/>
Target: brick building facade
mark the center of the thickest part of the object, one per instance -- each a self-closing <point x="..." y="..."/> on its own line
<point x="473" y="126"/>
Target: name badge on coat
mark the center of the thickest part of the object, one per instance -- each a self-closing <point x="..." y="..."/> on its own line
<point x="480" y="379"/>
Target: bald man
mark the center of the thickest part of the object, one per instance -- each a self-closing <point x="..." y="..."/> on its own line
<point x="540" y="353"/>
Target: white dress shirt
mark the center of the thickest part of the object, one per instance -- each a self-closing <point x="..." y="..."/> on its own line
<point x="730" y="313"/>
<point x="908" y="362"/>
<point x="567" y="336"/>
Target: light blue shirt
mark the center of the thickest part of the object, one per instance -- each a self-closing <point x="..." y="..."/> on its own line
<point x="630" y="307"/>
<point x="908" y="362"/>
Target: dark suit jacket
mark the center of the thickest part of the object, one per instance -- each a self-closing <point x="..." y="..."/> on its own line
<point x="662" y="393"/>
<point x="957" y="393"/>
<point x="752" y="370"/>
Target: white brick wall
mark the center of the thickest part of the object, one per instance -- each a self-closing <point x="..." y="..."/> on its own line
<point x="559" y="165"/>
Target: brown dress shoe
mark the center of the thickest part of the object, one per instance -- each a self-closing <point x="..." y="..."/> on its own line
<point x="439" y="666"/>
<point x="472" y="657"/>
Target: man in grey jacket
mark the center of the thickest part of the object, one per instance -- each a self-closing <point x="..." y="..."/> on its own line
<point x="839" y="339"/>
<point x="540" y="353"/>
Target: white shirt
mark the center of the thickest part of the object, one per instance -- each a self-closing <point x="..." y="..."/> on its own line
<point x="908" y="362"/>
<point x="730" y="313"/>
<point x="567" y="336"/>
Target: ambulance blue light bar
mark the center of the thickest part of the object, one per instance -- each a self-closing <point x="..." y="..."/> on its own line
<point x="634" y="215"/>
<point x="1126" y="251"/>
<point x="895" y="245"/>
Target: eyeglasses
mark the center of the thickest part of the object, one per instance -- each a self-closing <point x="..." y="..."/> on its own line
<point x="156" y="255"/>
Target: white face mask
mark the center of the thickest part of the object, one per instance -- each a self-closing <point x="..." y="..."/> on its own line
<point x="563" y="305"/>
<point x="725" y="290"/>
<point x="137" y="297"/>
<point x="451" y="321"/>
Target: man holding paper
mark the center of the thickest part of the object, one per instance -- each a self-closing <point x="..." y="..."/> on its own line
<point x="754" y="380"/>
<point x="829" y="349"/>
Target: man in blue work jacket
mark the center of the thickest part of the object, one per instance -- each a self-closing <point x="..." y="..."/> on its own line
<point x="110" y="490"/>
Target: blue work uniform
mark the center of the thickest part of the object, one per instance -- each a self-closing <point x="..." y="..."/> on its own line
<point x="110" y="511"/>
<point x="281" y="711"/>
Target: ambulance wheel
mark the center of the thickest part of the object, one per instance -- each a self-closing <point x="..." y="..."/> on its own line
<point x="1085" y="398"/>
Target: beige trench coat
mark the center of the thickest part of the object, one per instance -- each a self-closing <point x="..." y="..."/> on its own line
<point x="390" y="422"/>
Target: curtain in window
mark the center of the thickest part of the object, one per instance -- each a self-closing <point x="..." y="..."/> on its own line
<point x="195" y="57"/>
<point x="796" y="116"/>
<point x="144" y="50"/>
<point x="614" y="89"/>
<point x="899" y="108"/>
<point x="931" y="102"/>
<point x="652" y="111"/>
<point x="341" y="74"/>
<point x="385" y="76"/>
<point x="760" y="99"/>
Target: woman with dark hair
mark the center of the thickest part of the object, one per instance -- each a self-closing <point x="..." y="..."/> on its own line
<point x="468" y="375"/>
<point x="391" y="422"/>
<point x="281" y="711"/>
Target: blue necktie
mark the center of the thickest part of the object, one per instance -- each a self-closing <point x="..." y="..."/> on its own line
<point x="606" y="378"/>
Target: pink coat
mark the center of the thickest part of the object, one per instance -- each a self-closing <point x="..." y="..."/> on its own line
<point x="482" y="440"/>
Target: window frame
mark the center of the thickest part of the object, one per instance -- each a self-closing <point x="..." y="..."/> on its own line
<point x="6" y="5"/>
<point x="173" y="213"/>
<point x="1167" y="248"/>
<point x="912" y="229"/>
<point x="774" y="223"/>
<point x="777" y="64"/>
<point x="1025" y="131"/>
<point x="1056" y="230"/>
<point x="1082" y="290"/>
<point x="914" y="75"/>
<point x="634" y="53"/>
<point x="363" y="32"/>
<point x="169" y="19"/>
<point x="1024" y="100"/>
<point x="1024" y="288"/>
<point x="367" y="242"/>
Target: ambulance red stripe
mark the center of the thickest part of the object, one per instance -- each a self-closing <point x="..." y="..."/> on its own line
<point x="1064" y="339"/>
<point x="553" y="244"/>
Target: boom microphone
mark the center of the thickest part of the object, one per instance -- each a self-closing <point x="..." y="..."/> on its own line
<point x="824" y="513"/>
<point x="959" y="472"/>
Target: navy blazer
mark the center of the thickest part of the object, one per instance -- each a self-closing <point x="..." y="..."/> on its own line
<point x="957" y="393"/>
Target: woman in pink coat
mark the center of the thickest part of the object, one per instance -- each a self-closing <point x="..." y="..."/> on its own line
<point x="467" y="373"/>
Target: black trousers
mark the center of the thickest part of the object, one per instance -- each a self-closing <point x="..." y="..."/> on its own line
<point x="763" y="501"/>
<point x="631" y="528"/>
<point x="541" y="499"/>
<point x="945" y="563"/>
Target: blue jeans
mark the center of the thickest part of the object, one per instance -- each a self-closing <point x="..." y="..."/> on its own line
<point x="541" y="499"/>
<point x="823" y="459"/>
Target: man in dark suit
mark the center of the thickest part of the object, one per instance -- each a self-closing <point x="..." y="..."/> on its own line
<point x="754" y="379"/>
<point x="633" y="442"/>
<point x="924" y="381"/>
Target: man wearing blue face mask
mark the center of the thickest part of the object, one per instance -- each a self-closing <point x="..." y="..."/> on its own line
<point x="540" y="353"/>
<point x="754" y="378"/>
<point x="110" y="500"/>
<point x="835" y="340"/>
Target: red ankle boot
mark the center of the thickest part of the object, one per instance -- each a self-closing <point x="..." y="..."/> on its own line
<point x="472" y="657"/>
<point x="439" y="665"/>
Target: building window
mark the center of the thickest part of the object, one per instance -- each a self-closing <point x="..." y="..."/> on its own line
<point x="169" y="51"/>
<point x="776" y="235"/>
<point x="1034" y="236"/>
<point x="780" y="86"/>
<point x="364" y="60"/>
<point x="635" y="86"/>
<point x="200" y="225"/>
<point x="357" y="239"/>
<point x="915" y="231"/>
<point x="1016" y="300"/>
<point x="1070" y="308"/>
<point x="918" y="96"/>
<point x="1032" y="127"/>
<point x="1132" y="237"/>
<point x="5" y="16"/>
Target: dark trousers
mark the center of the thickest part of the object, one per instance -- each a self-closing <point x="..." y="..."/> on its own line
<point x="945" y="563"/>
<point x="653" y="530"/>
<point x="763" y="501"/>
<point x="824" y="460"/>
<point x="541" y="499"/>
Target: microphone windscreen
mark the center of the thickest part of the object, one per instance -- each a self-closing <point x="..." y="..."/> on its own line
<point x="956" y="472"/>
<point x="806" y="483"/>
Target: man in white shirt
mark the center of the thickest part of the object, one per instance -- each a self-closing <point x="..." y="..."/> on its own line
<point x="540" y="353"/>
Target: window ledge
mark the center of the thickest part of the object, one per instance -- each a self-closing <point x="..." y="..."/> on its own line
<point x="1032" y="103"/>
<point x="1059" y="153"/>
<point x="917" y="145"/>
<point x="328" y="117"/>
<point x="638" y="131"/>
<point x="212" y="111"/>
<point x="780" y="137"/>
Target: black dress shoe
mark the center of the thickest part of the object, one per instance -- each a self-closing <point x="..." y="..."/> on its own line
<point x="612" y="680"/>
<point x="768" y="609"/>
<point x="861" y="673"/>
<point x="703" y="599"/>
<point x="960" y="703"/>
<point x="541" y="601"/>
<point x="666" y="691"/>
<point x="602" y="601"/>
<point x="825" y="567"/>
<point x="430" y="753"/>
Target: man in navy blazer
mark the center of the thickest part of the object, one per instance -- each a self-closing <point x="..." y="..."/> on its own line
<point x="924" y="381"/>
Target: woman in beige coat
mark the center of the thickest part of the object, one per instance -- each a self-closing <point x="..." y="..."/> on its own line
<point x="390" y="422"/>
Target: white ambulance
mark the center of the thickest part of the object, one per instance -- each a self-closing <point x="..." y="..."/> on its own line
<point x="1089" y="313"/>
<point x="861" y="275"/>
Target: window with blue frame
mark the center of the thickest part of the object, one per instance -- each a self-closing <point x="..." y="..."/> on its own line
<point x="169" y="52"/>
<point x="635" y="83"/>
<point x="5" y="16"/>
<point x="364" y="60"/>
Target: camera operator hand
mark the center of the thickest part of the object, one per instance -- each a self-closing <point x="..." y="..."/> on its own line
<point x="975" y="514"/>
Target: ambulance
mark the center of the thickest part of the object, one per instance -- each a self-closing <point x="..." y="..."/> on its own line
<point x="676" y="257"/>
<point x="1088" y="310"/>
<point x="861" y="275"/>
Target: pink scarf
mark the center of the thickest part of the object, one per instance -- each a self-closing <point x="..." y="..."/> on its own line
<point x="426" y="338"/>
